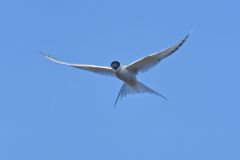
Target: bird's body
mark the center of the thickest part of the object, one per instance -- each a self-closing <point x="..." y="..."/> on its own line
<point x="125" y="75"/>
<point x="128" y="73"/>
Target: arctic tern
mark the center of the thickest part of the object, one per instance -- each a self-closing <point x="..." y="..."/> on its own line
<point x="128" y="73"/>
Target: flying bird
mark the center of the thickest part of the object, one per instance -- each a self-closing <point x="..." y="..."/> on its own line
<point x="127" y="73"/>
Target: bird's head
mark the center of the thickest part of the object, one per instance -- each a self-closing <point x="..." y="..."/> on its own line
<point x="115" y="65"/>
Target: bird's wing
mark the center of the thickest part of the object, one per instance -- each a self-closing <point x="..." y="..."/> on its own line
<point x="149" y="61"/>
<point x="135" y="88"/>
<point x="96" y="69"/>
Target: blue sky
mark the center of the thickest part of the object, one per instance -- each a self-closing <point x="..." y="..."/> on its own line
<point x="49" y="111"/>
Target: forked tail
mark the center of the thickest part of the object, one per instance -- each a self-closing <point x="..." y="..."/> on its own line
<point x="135" y="88"/>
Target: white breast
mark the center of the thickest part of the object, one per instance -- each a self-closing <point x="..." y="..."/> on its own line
<point x="125" y="75"/>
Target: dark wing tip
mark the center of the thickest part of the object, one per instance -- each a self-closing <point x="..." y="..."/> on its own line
<point x="182" y="42"/>
<point x="44" y="54"/>
<point x="186" y="37"/>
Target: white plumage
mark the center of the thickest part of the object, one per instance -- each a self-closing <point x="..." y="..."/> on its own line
<point x="128" y="73"/>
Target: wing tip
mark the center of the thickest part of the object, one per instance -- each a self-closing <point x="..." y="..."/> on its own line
<point x="163" y="97"/>
<point x="186" y="37"/>
<point x="44" y="54"/>
<point x="183" y="40"/>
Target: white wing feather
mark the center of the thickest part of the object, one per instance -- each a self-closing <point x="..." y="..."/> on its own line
<point x="92" y="68"/>
<point x="149" y="61"/>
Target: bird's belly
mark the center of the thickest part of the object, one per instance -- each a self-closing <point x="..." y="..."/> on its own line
<point x="126" y="76"/>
